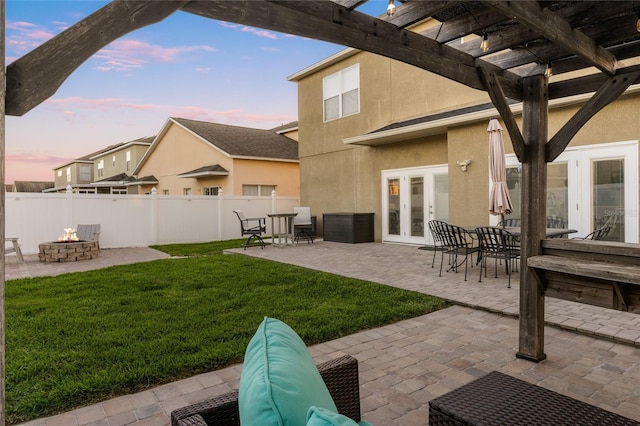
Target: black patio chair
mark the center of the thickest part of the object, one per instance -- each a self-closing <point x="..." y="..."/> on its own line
<point x="556" y="222"/>
<point x="510" y="222"/>
<point x="302" y="224"/>
<point x="599" y="234"/>
<point x="499" y="244"/>
<point x="436" y="229"/>
<point x="458" y="243"/>
<point x="254" y="232"/>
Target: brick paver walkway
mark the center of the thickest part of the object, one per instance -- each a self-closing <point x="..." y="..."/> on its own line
<point x="593" y="354"/>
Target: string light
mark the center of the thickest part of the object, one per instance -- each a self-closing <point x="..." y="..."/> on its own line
<point x="548" y="72"/>
<point x="638" y="24"/>
<point x="484" y="46"/>
<point x="391" y="8"/>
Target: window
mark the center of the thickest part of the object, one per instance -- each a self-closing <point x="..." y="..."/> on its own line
<point x="68" y="174"/>
<point x="59" y="173"/>
<point x="119" y="191"/>
<point x="85" y="172"/>
<point x="113" y="161"/>
<point x="165" y="192"/>
<point x="258" y="190"/>
<point x="210" y="190"/>
<point x="100" y="168"/>
<point x="186" y="191"/>
<point x="341" y="93"/>
<point x="128" y="153"/>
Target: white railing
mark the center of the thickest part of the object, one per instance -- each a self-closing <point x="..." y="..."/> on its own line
<point x="134" y="220"/>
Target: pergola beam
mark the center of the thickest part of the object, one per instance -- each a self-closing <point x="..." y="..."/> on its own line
<point x="333" y="23"/>
<point x="608" y="92"/>
<point x="37" y="76"/>
<point x="558" y="31"/>
<point x="493" y="87"/>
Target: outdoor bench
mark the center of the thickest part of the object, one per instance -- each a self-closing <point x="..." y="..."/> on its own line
<point x="500" y="399"/>
<point x="599" y="273"/>
<point x="340" y="375"/>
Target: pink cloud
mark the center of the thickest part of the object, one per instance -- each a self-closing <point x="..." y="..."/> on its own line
<point x="232" y="116"/>
<point x="103" y="104"/>
<point x="30" y="166"/>
<point x="256" y="31"/>
<point x="71" y="105"/>
<point x="25" y="36"/>
<point x="127" y="54"/>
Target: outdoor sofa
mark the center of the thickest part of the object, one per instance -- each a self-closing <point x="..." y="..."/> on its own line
<point x="340" y="375"/>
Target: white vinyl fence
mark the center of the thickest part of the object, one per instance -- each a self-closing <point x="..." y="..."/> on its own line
<point x="134" y="220"/>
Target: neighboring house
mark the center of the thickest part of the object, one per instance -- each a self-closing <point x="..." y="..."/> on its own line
<point x="113" y="168"/>
<point x="200" y="158"/>
<point x="77" y="173"/>
<point x="30" y="186"/>
<point x="381" y="136"/>
<point x="107" y="171"/>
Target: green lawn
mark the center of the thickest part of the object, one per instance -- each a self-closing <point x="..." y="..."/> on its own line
<point x="79" y="338"/>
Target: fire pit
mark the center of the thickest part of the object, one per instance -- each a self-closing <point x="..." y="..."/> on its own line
<point x="68" y="248"/>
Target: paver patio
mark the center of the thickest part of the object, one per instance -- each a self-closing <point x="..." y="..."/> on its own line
<point x="593" y="353"/>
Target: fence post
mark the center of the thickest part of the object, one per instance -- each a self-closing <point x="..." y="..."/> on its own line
<point x="69" y="207"/>
<point x="220" y="219"/>
<point x="154" y="216"/>
<point x="273" y="201"/>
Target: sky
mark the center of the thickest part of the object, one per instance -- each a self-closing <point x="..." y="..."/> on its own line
<point x="185" y="66"/>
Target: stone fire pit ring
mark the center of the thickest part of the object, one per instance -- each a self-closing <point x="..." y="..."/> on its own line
<point x="68" y="251"/>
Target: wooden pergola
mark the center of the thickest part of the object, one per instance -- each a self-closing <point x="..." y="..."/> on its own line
<point x="599" y="41"/>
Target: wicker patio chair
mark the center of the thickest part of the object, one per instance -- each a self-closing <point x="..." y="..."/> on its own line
<point x="340" y="375"/>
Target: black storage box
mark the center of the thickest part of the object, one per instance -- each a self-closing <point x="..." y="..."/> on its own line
<point x="348" y="227"/>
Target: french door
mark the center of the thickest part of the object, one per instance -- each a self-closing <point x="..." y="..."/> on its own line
<point x="410" y="198"/>
<point x="591" y="187"/>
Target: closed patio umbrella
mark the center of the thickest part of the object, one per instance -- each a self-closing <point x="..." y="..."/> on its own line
<point x="499" y="200"/>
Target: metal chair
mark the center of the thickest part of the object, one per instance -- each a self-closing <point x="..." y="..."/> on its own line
<point x="459" y="242"/>
<point x="254" y="232"/>
<point x="438" y="238"/>
<point x="556" y="222"/>
<point x="599" y="234"/>
<point x="510" y="222"/>
<point x="499" y="244"/>
<point x="302" y="225"/>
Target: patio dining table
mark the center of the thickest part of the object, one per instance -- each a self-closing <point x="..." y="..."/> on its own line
<point x="550" y="232"/>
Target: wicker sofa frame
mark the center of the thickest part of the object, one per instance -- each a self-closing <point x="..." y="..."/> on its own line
<point x="340" y="375"/>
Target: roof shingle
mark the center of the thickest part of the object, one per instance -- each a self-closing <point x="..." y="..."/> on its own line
<point x="243" y="141"/>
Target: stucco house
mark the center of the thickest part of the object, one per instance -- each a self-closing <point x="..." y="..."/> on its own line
<point x="107" y="171"/>
<point x="377" y="135"/>
<point x="200" y="158"/>
<point x="113" y="167"/>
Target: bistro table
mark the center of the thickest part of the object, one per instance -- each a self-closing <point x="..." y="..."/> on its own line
<point x="550" y="232"/>
<point x="281" y="228"/>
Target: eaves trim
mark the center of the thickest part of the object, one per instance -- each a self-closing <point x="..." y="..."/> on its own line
<point x="441" y="126"/>
<point x="333" y="59"/>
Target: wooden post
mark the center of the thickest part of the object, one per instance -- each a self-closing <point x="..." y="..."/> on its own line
<point x="2" y="212"/>
<point x="534" y="207"/>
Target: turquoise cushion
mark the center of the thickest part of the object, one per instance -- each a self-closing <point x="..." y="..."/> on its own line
<point x="318" y="416"/>
<point x="279" y="380"/>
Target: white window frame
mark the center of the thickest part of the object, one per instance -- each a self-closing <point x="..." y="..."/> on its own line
<point x="337" y="85"/>
<point x="210" y="190"/>
<point x="261" y="190"/>
<point x="84" y="172"/>
<point x="68" y="174"/>
<point x="100" y="168"/>
<point x="128" y="159"/>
